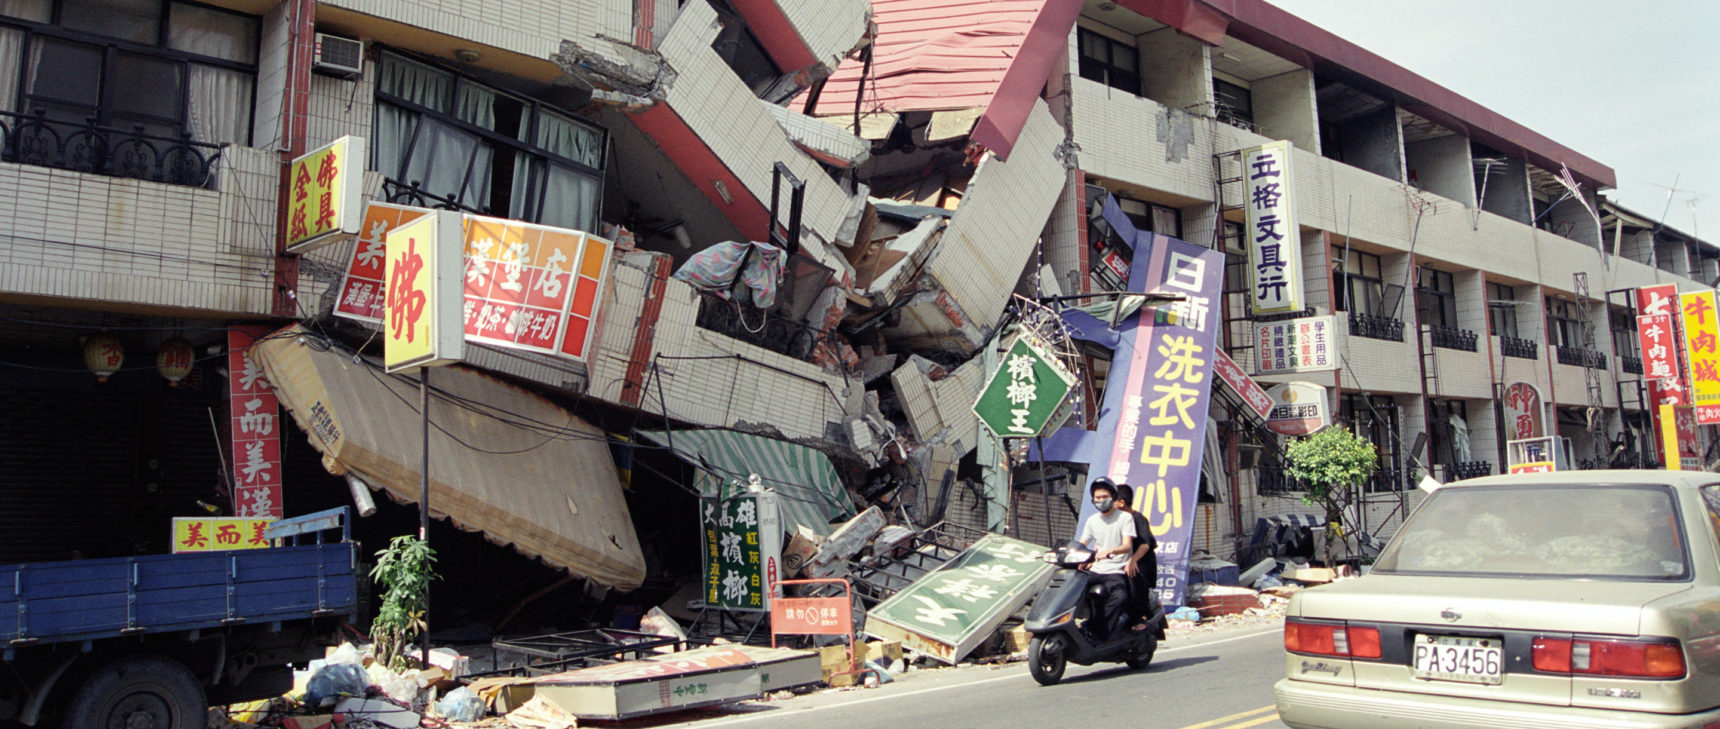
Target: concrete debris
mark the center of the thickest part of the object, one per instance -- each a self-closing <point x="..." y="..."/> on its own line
<point x="823" y="142"/>
<point x="845" y="542"/>
<point x="610" y="65"/>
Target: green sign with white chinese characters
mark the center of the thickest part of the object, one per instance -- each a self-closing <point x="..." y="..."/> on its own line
<point x="954" y="608"/>
<point x="743" y="550"/>
<point x="1025" y="391"/>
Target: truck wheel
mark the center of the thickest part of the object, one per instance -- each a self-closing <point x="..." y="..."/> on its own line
<point x="139" y="692"/>
<point x="1045" y="659"/>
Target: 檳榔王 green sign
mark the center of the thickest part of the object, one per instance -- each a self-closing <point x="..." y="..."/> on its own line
<point x="1025" y="391"/>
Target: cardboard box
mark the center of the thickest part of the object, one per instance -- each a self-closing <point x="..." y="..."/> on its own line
<point x="799" y="551"/>
<point x="1315" y="575"/>
<point x="1015" y="639"/>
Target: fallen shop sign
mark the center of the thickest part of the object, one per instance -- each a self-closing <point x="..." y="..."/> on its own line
<point x="950" y="611"/>
<point x="689" y="679"/>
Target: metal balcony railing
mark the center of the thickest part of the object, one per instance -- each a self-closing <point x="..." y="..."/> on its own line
<point x="1387" y="480"/>
<point x="1273" y="480"/>
<point x="1631" y="365"/>
<point x="1579" y="357"/>
<point x="1376" y="327"/>
<point x="761" y="328"/>
<point x="1520" y="348"/>
<point x="1452" y="338"/>
<point x="1470" y="469"/>
<point x="84" y="146"/>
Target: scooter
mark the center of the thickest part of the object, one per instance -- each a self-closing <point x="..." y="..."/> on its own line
<point x="1058" y="616"/>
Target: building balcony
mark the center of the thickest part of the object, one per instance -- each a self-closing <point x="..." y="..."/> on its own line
<point x="84" y="146"/>
<point x="1273" y="480"/>
<point x="1386" y="480"/>
<point x="1631" y="365"/>
<point x="1452" y="337"/>
<point x="1376" y="327"/>
<point x="1519" y="348"/>
<point x="1579" y="357"/>
<point x="760" y="328"/>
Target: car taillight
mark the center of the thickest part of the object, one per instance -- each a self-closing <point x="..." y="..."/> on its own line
<point x="1364" y="642"/>
<point x="1328" y="639"/>
<point x="1602" y="657"/>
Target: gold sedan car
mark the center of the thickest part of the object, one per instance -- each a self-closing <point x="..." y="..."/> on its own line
<point x="1573" y="599"/>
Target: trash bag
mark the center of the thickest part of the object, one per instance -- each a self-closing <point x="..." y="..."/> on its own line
<point x="347" y="653"/>
<point x="461" y="704"/>
<point x="332" y="682"/>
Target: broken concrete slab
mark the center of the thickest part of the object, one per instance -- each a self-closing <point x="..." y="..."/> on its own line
<point x="982" y="253"/>
<point x="845" y="542"/>
<point x="824" y="142"/>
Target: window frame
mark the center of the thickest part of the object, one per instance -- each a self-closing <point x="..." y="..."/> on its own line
<point x="1564" y="323"/>
<point x="1108" y="70"/>
<point x="1232" y="113"/>
<point x="1344" y="283"/>
<point x="1436" y="294"/>
<point x="531" y="116"/>
<point x="1501" y="318"/>
<point x="105" y="110"/>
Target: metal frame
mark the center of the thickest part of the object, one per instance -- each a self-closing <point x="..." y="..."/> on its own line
<point x="884" y="575"/>
<point x="577" y="649"/>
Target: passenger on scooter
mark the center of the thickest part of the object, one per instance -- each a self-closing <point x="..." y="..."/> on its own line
<point x="1111" y="535"/>
<point x="1143" y="569"/>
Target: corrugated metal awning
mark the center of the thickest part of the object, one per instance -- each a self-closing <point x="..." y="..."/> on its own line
<point x="810" y="494"/>
<point x="503" y="461"/>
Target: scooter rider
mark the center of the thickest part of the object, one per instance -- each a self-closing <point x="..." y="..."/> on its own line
<point x="1111" y="535"/>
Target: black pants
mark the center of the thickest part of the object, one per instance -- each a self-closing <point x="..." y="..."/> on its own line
<point x="1141" y="587"/>
<point x="1111" y="609"/>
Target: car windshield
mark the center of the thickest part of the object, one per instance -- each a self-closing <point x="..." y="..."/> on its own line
<point x="1594" y="531"/>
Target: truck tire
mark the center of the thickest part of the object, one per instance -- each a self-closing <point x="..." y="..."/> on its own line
<point x="139" y="692"/>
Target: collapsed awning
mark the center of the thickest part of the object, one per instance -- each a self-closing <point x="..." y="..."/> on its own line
<point x="810" y="493"/>
<point x="503" y="461"/>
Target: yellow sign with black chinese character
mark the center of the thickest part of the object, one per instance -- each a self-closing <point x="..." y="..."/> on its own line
<point x="325" y="195"/>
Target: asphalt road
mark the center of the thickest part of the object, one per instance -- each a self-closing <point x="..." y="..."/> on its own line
<point x="1206" y="682"/>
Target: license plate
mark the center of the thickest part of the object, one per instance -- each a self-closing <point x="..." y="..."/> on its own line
<point x="1455" y="658"/>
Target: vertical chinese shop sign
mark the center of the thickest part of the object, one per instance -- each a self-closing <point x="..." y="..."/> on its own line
<point x="743" y="549"/>
<point x="1272" y="235"/>
<point x="256" y="441"/>
<point x="1162" y="376"/>
<point x="325" y="195"/>
<point x="1702" y="347"/>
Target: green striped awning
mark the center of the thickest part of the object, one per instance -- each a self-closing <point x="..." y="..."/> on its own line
<point x="809" y="493"/>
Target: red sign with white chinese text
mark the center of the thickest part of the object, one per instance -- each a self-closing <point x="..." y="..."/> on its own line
<point x="256" y="438"/>
<point x="1240" y="383"/>
<point x="810" y="616"/>
<point x="1659" y="347"/>
<point x="1662" y="299"/>
<point x="361" y="291"/>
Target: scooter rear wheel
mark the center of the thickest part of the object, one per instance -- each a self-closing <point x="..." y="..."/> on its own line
<point x="1143" y="656"/>
<point x="1046" y="659"/>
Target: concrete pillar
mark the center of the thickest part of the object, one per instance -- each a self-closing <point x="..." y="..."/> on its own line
<point x="1284" y="108"/>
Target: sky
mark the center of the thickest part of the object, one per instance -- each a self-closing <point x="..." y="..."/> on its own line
<point x="1632" y="85"/>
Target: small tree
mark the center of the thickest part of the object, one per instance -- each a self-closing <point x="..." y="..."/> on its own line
<point x="1329" y="463"/>
<point x="405" y="570"/>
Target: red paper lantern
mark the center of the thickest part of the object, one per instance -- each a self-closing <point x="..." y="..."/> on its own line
<point x="103" y="355"/>
<point x="174" y="360"/>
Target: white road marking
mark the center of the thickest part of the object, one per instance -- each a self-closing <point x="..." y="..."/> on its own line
<point x="1013" y="675"/>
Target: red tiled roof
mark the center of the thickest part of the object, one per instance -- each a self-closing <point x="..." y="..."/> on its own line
<point x="935" y="54"/>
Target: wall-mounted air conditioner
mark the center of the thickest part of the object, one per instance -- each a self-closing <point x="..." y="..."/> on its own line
<point x="337" y="56"/>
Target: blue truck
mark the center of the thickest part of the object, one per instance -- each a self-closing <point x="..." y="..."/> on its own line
<point x="151" y="642"/>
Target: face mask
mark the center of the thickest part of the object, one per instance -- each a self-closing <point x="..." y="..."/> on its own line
<point x="1103" y="505"/>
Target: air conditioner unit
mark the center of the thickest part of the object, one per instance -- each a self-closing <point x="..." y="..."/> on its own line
<point x="338" y="57"/>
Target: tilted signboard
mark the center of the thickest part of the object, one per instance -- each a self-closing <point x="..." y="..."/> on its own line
<point x="951" y="610"/>
<point x="1025" y="391"/>
<point x="325" y="195"/>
